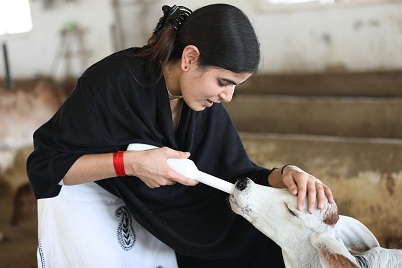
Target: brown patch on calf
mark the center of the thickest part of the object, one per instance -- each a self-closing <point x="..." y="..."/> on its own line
<point x="332" y="260"/>
<point x="332" y="217"/>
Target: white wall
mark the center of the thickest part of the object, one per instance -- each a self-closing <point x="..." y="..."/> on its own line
<point x="37" y="52"/>
<point x="360" y="37"/>
<point x="365" y="36"/>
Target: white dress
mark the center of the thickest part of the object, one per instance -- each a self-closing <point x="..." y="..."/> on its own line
<point x="85" y="226"/>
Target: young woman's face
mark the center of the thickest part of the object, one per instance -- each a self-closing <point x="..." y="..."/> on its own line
<point x="202" y="88"/>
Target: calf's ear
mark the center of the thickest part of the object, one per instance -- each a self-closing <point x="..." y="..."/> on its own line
<point x="332" y="253"/>
<point x="356" y="237"/>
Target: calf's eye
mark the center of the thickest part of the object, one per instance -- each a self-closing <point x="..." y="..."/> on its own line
<point x="292" y="213"/>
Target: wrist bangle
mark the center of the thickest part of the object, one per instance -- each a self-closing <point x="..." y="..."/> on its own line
<point x="284" y="168"/>
<point x="118" y="163"/>
<point x="269" y="173"/>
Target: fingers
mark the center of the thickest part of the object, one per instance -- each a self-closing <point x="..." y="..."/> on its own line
<point x="171" y="178"/>
<point x="305" y="185"/>
<point x="155" y="171"/>
<point x="170" y="153"/>
<point x="158" y="183"/>
<point x="307" y="188"/>
<point x="287" y="178"/>
<point x="301" y="192"/>
<point x="177" y="177"/>
<point x="312" y="195"/>
<point x="329" y="194"/>
<point x="293" y="188"/>
<point x="316" y="195"/>
<point x="297" y="182"/>
<point x="320" y="195"/>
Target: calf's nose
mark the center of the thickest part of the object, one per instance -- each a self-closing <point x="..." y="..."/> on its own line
<point x="241" y="184"/>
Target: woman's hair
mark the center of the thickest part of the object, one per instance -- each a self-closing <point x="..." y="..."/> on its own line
<point x="222" y="33"/>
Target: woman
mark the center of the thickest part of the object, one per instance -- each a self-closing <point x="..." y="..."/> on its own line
<point x="167" y="94"/>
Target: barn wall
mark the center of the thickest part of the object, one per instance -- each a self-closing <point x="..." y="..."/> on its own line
<point x="361" y="37"/>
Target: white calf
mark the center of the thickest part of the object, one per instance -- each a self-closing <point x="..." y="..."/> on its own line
<point x="321" y="239"/>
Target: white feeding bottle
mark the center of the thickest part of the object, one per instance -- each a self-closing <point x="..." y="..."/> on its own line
<point x="187" y="168"/>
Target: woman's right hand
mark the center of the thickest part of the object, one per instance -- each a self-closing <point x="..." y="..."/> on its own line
<point x="152" y="168"/>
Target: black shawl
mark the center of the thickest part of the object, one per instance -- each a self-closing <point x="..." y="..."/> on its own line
<point x="116" y="102"/>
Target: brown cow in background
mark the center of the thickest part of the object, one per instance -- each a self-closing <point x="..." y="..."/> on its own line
<point x="23" y="110"/>
<point x="25" y="205"/>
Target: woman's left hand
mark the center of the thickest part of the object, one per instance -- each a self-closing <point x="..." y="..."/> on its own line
<point x="301" y="183"/>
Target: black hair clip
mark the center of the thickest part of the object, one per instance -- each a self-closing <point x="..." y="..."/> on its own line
<point x="175" y="14"/>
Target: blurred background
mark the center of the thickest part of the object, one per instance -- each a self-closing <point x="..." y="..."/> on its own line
<point x="327" y="97"/>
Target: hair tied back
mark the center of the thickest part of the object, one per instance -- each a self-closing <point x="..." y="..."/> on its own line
<point x="175" y="15"/>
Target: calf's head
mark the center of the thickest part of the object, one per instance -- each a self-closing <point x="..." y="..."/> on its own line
<point x="304" y="238"/>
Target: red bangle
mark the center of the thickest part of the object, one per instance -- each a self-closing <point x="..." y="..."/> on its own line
<point x="118" y="163"/>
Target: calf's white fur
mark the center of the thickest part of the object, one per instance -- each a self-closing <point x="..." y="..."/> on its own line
<point x="320" y="239"/>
